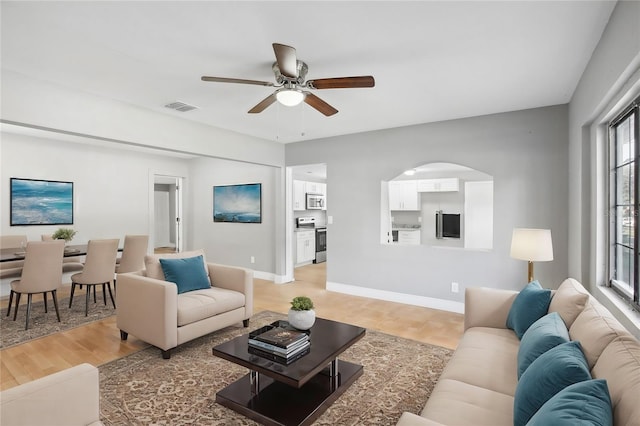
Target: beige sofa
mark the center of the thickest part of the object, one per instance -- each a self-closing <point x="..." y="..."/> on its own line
<point x="151" y="309"/>
<point x="478" y="384"/>
<point x="68" y="398"/>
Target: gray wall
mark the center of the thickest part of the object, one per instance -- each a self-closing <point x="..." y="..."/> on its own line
<point x="610" y="81"/>
<point x="525" y="152"/>
<point x="610" y="76"/>
<point x="233" y="243"/>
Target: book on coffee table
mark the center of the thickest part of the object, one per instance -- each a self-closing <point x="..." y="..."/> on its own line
<point x="286" y="360"/>
<point x="277" y="349"/>
<point x="281" y="338"/>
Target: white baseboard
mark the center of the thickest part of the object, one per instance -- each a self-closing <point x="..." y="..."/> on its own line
<point x="390" y="296"/>
<point x="269" y="276"/>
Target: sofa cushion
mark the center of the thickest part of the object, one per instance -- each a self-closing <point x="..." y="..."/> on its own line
<point x="188" y="274"/>
<point x="595" y="328"/>
<point x="619" y="364"/>
<point x="528" y="306"/>
<point x="486" y="357"/>
<point x="544" y="334"/>
<point x="153" y="269"/>
<point x="200" y="304"/>
<point x="458" y="403"/>
<point x="569" y="300"/>
<point x="584" y="403"/>
<point x="551" y="372"/>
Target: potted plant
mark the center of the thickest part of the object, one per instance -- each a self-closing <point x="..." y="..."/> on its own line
<point x="65" y="234"/>
<point x="301" y="315"/>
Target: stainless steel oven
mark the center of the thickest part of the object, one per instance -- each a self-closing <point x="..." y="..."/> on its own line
<point x="321" y="245"/>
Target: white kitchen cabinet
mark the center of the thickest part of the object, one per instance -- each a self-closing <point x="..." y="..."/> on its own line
<point x="299" y="195"/>
<point x="300" y="190"/>
<point x="316" y="187"/>
<point x="409" y="236"/>
<point x="403" y="195"/>
<point x="438" y="185"/>
<point x="305" y="246"/>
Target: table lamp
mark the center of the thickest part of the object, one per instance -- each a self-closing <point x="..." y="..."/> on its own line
<point x="532" y="245"/>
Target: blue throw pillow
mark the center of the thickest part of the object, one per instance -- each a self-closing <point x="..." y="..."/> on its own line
<point x="585" y="403"/>
<point x="528" y="307"/>
<point x="551" y="372"/>
<point x="544" y="334"/>
<point x="187" y="273"/>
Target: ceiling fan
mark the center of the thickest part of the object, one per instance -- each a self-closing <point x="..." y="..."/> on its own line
<point x="290" y="73"/>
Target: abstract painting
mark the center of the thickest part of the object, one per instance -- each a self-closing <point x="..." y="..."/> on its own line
<point x="238" y="203"/>
<point x="41" y="202"/>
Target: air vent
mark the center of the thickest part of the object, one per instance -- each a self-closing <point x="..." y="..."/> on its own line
<point x="180" y="106"/>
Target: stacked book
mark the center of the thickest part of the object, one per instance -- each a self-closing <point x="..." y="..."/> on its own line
<point x="280" y="345"/>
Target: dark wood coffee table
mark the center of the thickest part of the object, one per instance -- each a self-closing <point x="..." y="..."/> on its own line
<point x="294" y="394"/>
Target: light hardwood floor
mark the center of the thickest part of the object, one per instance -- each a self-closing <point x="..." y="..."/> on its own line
<point x="99" y="342"/>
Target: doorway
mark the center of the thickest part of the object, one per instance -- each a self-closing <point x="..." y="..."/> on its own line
<point x="167" y="214"/>
<point x="300" y="181"/>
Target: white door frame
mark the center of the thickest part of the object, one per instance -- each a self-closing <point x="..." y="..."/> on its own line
<point x="179" y="224"/>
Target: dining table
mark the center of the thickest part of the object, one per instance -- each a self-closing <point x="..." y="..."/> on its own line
<point x="17" y="253"/>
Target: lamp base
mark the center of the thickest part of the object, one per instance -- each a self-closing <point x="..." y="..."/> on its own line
<point x="530" y="271"/>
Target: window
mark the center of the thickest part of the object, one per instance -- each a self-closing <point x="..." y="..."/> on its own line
<point x="624" y="195"/>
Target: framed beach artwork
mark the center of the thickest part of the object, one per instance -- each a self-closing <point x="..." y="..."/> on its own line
<point x="238" y="203"/>
<point x="41" y="202"/>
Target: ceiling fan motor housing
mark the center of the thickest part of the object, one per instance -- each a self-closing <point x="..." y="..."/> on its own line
<point x="301" y="67"/>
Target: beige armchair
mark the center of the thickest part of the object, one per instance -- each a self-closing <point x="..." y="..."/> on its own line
<point x="151" y="309"/>
<point x="42" y="273"/>
<point x="69" y="397"/>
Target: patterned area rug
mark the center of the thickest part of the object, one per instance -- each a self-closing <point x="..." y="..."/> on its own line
<point x="143" y="389"/>
<point x="42" y="324"/>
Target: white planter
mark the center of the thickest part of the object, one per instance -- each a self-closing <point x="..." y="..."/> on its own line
<point x="302" y="320"/>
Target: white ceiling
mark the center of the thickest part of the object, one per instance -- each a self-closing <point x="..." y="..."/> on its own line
<point x="432" y="61"/>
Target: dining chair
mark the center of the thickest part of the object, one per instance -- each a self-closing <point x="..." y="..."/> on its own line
<point x="69" y="264"/>
<point x="42" y="273"/>
<point x="13" y="241"/>
<point x="133" y="253"/>
<point x="12" y="269"/>
<point x="98" y="269"/>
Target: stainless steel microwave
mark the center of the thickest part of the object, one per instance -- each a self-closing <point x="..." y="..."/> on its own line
<point x="315" y="201"/>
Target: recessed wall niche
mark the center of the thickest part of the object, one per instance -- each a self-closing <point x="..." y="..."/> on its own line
<point x="438" y="204"/>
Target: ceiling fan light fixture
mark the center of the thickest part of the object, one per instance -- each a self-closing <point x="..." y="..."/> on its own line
<point x="290" y="97"/>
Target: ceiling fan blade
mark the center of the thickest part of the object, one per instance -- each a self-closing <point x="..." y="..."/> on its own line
<point x="236" y="80"/>
<point x="317" y="103"/>
<point x="342" y="82"/>
<point x="263" y="104"/>
<point x="287" y="60"/>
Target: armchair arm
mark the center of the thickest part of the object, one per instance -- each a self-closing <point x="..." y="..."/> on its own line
<point x="68" y="397"/>
<point x="410" y="419"/>
<point x="487" y="307"/>
<point x="148" y="309"/>
<point x="234" y="278"/>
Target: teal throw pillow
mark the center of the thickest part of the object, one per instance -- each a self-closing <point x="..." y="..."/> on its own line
<point x="544" y="334"/>
<point x="529" y="306"/>
<point x="586" y="403"/>
<point x="551" y="372"/>
<point x="187" y="273"/>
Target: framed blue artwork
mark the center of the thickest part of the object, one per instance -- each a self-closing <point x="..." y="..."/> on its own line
<point x="41" y="202"/>
<point x="238" y="203"/>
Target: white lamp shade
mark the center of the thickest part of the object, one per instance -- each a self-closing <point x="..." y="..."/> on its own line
<point x="290" y="97"/>
<point x="532" y="244"/>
